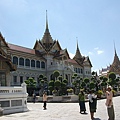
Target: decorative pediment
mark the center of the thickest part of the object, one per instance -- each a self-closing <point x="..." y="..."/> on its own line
<point x="4" y="56"/>
<point x="87" y="62"/>
<point x="115" y="67"/>
<point x="66" y="55"/>
<point x="78" y="54"/>
<point x="38" y="46"/>
<point x="3" y="45"/>
<point x="56" y="47"/>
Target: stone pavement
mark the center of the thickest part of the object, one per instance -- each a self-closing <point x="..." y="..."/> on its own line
<point x="63" y="111"/>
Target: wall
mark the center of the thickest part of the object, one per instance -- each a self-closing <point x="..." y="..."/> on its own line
<point x="13" y="99"/>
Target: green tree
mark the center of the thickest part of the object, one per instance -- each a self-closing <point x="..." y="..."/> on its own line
<point x="56" y="74"/>
<point x="65" y="81"/>
<point x="42" y="84"/>
<point x="112" y="76"/>
<point x="83" y="84"/>
<point x="93" y="73"/>
<point x="92" y="85"/>
<point x="112" y="79"/>
<point x="31" y="85"/>
<point x="60" y="78"/>
<point x="86" y="80"/>
<point x="51" y="86"/>
<point x="57" y="85"/>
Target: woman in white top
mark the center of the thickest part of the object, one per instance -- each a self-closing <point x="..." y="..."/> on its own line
<point x="92" y="103"/>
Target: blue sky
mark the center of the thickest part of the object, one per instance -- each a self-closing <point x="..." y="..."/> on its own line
<point x="94" y="23"/>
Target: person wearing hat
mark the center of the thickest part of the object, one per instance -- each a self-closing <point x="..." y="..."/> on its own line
<point x="109" y="103"/>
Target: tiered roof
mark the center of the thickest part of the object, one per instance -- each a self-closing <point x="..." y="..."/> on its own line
<point x="4" y="56"/>
<point x="115" y="67"/>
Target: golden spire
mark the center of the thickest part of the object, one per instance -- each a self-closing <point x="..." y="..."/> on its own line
<point x="78" y="54"/>
<point x="46" y="21"/>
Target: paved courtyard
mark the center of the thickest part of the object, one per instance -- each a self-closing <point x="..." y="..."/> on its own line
<point x="63" y="111"/>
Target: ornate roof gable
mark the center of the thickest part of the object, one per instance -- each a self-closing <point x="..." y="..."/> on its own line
<point x="3" y="45"/>
<point x="78" y="54"/>
<point x="4" y="56"/>
<point x="37" y="46"/>
<point x="78" y="57"/>
<point x="115" y="67"/>
<point x="56" y="46"/>
<point x="47" y="40"/>
<point x="87" y="61"/>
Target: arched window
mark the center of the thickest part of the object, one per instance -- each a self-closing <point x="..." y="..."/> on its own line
<point x="81" y="71"/>
<point x="15" y="60"/>
<point x="32" y="63"/>
<point x="21" y="61"/>
<point x="42" y="64"/>
<point x="78" y="70"/>
<point x="37" y="64"/>
<point x="66" y="76"/>
<point x="27" y="62"/>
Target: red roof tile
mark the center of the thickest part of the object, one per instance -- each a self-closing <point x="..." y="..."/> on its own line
<point x="72" y="61"/>
<point x="20" y="48"/>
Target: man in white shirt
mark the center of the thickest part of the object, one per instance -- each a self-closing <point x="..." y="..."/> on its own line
<point x="109" y="103"/>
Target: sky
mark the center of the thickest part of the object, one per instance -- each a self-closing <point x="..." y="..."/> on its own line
<point x="95" y="24"/>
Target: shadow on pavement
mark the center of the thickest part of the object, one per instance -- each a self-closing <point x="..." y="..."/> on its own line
<point x="97" y="119"/>
<point x="84" y="113"/>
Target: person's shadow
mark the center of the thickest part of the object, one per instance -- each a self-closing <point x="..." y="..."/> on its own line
<point x="97" y="119"/>
<point x="84" y="113"/>
<point x="93" y="119"/>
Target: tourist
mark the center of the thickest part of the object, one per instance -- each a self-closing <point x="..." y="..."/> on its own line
<point x="82" y="102"/>
<point x="44" y="100"/>
<point x="92" y="103"/>
<point x="109" y="103"/>
<point x="34" y="96"/>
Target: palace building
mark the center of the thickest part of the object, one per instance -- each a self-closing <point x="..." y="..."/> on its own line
<point x="46" y="57"/>
<point x="114" y="67"/>
<point x="6" y="65"/>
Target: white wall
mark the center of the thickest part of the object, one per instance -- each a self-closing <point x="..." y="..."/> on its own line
<point x="13" y="99"/>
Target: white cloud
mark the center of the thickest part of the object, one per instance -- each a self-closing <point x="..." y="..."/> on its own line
<point x="71" y="55"/>
<point x="100" y="52"/>
<point x="90" y="53"/>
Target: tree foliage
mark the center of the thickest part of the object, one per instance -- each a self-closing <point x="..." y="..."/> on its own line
<point x="86" y="80"/>
<point x="112" y="76"/>
<point x="30" y="82"/>
<point x="57" y="83"/>
<point x="56" y="74"/>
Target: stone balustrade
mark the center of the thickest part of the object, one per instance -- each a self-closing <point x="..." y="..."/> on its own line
<point x="4" y="90"/>
<point x="64" y="98"/>
<point x="13" y="99"/>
